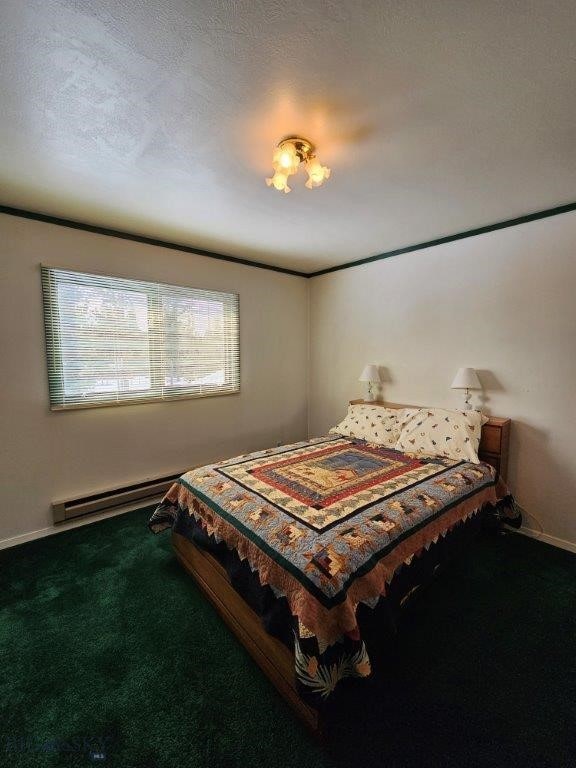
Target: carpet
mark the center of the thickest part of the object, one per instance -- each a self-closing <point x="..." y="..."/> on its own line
<point x="111" y="656"/>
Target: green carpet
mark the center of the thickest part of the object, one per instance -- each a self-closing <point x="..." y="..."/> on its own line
<point x="103" y="635"/>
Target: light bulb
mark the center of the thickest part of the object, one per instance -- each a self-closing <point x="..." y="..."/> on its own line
<point x="279" y="181"/>
<point x="317" y="173"/>
<point x="286" y="159"/>
<point x="314" y="169"/>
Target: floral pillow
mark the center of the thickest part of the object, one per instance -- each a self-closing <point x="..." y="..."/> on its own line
<point x="373" y="423"/>
<point x="438" y="432"/>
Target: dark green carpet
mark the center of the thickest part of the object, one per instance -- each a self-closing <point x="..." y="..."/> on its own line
<point x="101" y="634"/>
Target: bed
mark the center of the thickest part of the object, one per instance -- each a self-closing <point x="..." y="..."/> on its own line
<point x="292" y="544"/>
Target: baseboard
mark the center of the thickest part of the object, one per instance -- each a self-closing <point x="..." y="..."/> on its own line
<point x="547" y="539"/>
<point x="41" y="533"/>
<point x="22" y="538"/>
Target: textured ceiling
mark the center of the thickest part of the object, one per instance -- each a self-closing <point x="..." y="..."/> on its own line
<point x="159" y="117"/>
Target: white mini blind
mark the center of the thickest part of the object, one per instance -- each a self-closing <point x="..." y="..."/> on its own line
<point x="111" y="340"/>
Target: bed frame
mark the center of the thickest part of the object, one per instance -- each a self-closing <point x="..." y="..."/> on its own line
<point x="271" y="655"/>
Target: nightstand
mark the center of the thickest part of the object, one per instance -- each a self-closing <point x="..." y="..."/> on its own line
<point x="494" y="444"/>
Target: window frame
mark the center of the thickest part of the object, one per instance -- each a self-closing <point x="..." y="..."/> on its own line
<point x="54" y="367"/>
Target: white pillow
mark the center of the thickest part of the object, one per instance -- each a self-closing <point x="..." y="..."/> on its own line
<point x="373" y="423"/>
<point x="438" y="432"/>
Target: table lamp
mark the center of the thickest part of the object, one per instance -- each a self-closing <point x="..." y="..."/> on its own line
<point x="466" y="379"/>
<point x="371" y="374"/>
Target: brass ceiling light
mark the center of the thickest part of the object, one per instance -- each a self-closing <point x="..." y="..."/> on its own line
<point x="288" y="156"/>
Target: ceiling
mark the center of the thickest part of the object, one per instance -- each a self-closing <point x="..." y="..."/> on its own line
<point x="159" y="117"/>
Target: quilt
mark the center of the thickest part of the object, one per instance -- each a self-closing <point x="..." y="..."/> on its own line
<point x="327" y="523"/>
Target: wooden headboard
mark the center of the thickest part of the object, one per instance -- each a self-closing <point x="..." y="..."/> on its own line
<point x="493" y="443"/>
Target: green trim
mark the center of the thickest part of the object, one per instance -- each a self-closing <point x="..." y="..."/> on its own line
<point x="24" y="214"/>
<point x="451" y="238"/>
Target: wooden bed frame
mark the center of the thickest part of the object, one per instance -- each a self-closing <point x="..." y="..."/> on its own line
<point x="271" y="655"/>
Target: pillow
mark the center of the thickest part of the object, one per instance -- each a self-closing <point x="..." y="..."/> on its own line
<point x="438" y="432"/>
<point x="373" y="423"/>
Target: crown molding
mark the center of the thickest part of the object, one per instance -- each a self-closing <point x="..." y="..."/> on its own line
<point x="450" y="238"/>
<point x="120" y="234"/>
<point x="71" y="224"/>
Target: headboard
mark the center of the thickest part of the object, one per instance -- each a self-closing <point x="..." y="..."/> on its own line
<point x="493" y="443"/>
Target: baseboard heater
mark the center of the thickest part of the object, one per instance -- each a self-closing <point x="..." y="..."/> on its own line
<point x="108" y="501"/>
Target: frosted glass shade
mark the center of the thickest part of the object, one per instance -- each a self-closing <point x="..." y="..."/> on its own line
<point x="370" y="373"/>
<point x="466" y="378"/>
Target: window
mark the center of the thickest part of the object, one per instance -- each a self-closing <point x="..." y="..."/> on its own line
<point x="111" y="341"/>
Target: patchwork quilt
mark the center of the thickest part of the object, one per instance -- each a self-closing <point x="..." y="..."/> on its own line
<point x="326" y="523"/>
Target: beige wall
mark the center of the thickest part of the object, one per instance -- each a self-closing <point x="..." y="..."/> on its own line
<point x="46" y="456"/>
<point x="503" y="303"/>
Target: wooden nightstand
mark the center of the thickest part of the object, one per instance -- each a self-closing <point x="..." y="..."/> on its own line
<point x="494" y="444"/>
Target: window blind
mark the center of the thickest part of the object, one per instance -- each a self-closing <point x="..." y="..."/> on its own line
<point x="111" y="340"/>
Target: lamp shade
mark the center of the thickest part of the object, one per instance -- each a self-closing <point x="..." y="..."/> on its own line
<point x="466" y="378"/>
<point x="370" y="373"/>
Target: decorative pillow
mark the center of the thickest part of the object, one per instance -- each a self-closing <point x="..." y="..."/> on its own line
<point x="438" y="432"/>
<point x="373" y="423"/>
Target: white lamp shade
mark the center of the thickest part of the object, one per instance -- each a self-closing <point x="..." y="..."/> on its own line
<point x="466" y="378"/>
<point x="370" y="373"/>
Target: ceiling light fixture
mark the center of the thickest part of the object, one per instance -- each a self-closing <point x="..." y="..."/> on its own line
<point x="288" y="156"/>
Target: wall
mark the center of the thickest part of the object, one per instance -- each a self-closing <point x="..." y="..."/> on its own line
<point x="503" y="303"/>
<point x="46" y="456"/>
